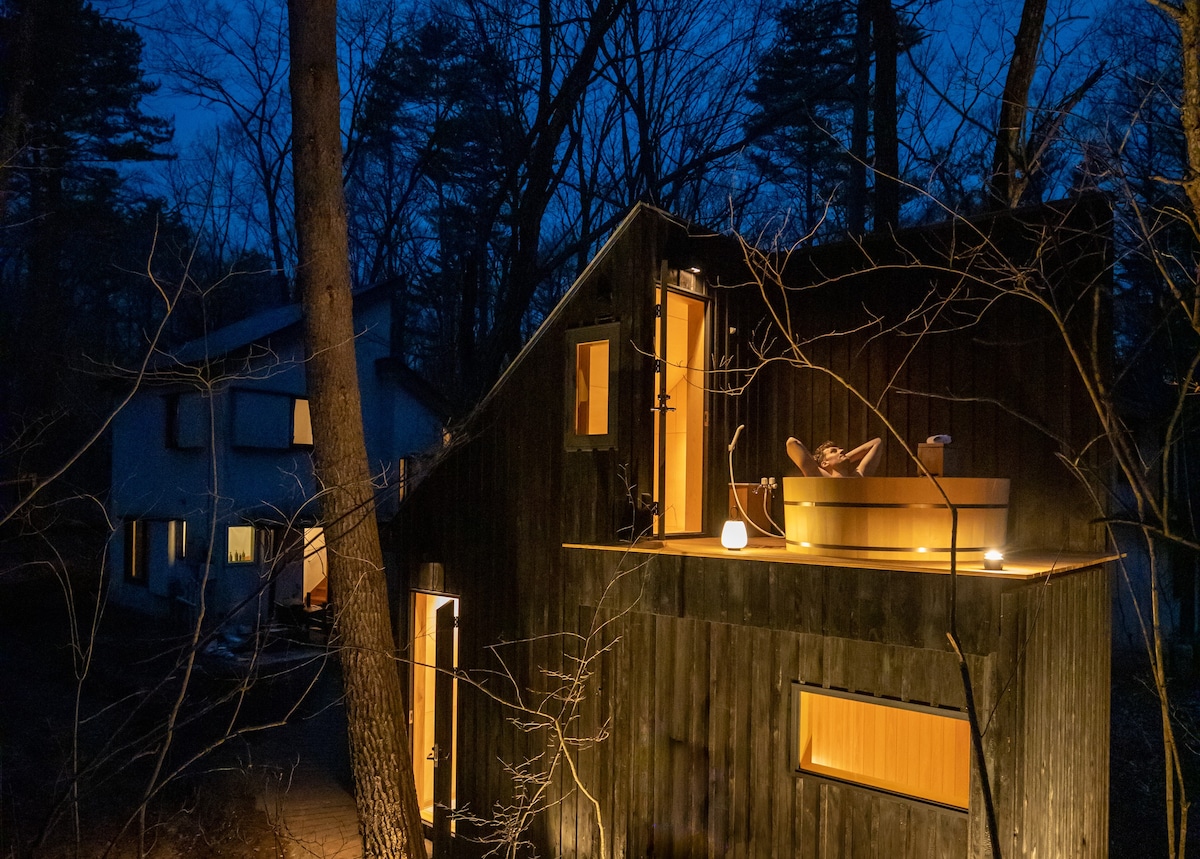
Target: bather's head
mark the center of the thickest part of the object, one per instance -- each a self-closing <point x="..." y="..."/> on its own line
<point x="828" y="455"/>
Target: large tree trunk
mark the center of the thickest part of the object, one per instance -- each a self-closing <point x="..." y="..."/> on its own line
<point x="16" y="66"/>
<point x="1009" y="168"/>
<point x="887" y="140"/>
<point x="379" y="748"/>
<point x="860" y="123"/>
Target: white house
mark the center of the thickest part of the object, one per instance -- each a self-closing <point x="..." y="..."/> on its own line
<point x="212" y="481"/>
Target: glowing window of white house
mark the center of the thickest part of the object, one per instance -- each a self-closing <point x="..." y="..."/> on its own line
<point x="913" y="750"/>
<point x="176" y="541"/>
<point x="137" y="551"/>
<point x="301" y="423"/>
<point x="240" y="540"/>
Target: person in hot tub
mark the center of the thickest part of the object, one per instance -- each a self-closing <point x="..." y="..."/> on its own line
<point x="831" y="461"/>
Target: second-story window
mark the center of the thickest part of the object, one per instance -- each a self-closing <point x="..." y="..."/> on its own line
<point x="301" y="423"/>
<point x="187" y="421"/>
<point x="267" y="420"/>
<point x="591" y="404"/>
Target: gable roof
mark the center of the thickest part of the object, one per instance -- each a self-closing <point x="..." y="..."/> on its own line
<point x="254" y="329"/>
<point x="639" y="210"/>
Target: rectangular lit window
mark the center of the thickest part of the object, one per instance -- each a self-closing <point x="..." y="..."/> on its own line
<point x="919" y="751"/>
<point x="176" y="540"/>
<point x="240" y="544"/>
<point x="137" y="551"/>
<point x="301" y="423"/>
<point x="592" y="387"/>
<point x="402" y="469"/>
<point x="269" y="420"/>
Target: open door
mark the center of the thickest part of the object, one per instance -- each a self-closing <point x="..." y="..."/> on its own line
<point x="679" y="379"/>
<point x="443" y="728"/>
<point x="434" y="712"/>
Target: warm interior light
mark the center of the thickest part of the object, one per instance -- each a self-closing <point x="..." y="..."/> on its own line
<point x="733" y="535"/>
<point x="993" y="559"/>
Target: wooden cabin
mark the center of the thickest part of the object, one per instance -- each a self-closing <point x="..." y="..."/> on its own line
<point x="779" y="699"/>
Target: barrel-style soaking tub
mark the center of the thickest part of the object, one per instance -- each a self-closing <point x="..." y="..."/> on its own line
<point x="900" y="518"/>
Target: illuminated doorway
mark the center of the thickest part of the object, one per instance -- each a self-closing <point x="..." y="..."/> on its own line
<point x="435" y="709"/>
<point x="316" y="574"/>
<point x="680" y="342"/>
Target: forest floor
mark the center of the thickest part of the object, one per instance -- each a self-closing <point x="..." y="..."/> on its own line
<point x="225" y="803"/>
<point x="215" y="808"/>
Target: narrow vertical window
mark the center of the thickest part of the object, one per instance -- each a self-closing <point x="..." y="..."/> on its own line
<point x="176" y="541"/>
<point x="402" y="468"/>
<point x="301" y="423"/>
<point x="187" y="421"/>
<point x="591" y="389"/>
<point x="137" y="551"/>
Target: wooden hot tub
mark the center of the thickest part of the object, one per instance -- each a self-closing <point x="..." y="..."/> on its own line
<point x="902" y="518"/>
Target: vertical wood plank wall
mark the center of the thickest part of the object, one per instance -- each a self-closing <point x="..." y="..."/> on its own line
<point x="697" y="701"/>
<point x="697" y="693"/>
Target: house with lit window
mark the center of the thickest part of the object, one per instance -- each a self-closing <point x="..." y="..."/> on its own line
<point x="798" y="692"/>
<point x="212" y="485"/>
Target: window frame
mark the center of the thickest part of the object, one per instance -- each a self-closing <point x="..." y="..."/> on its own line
<point x="296" y="401"/>
<point x="178" y="432"/>
<point x="576" y="337"/>
<point x="136" y="557"/>
<point x="254" y="548"/>
<point x="247" y="436"/>
<point x="795" y="752"/>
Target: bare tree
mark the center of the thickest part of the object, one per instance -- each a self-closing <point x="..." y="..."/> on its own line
<point x="379" y="747"/>
<point x="234" y="62"/>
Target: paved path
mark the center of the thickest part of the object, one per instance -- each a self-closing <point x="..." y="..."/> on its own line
<point x="304" y="782"/>
<point x="306" y="788"/>
<point x="314" y="815"/>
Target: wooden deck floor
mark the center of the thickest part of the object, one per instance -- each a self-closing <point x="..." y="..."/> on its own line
<point x="1021" y="565"/>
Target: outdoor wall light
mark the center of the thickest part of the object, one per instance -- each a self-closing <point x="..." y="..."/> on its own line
<point x="733" y="535"/>
<point x="993" y="559"/>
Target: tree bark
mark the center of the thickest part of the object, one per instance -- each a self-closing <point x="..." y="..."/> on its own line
<point x="379" y="748"/>
<point x="860" y="124"/>
<point x="887" y="139"/>
<point x="1009" y="170"/>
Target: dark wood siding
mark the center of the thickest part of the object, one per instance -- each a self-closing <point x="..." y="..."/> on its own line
<point x="696" y="694"/>
<point x="698" y="709"/>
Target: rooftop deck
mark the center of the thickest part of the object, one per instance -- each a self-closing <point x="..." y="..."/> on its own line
<point x="1020" y="566"/>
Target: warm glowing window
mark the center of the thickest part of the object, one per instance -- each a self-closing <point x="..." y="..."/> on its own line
<point x="316" y="573"/>
<point x="403" y="468"/>
<point x="592" y="387"/>
<point x="241" y="544"/>
<point x="137" y="551"/>
<point x="269" y="420"/>
<point x="301" y="422"/>
<point x="176" y="540"/>
<point x="918" y="751"/>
